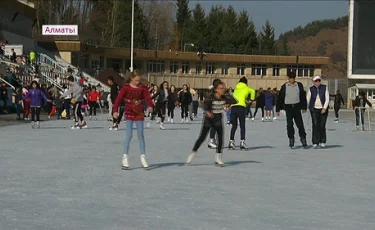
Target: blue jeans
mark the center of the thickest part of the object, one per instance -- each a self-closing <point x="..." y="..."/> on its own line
<point x="228" y="114"/>
<point x="129" y="135"/>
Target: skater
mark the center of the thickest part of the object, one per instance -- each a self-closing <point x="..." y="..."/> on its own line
<point x="214" y="106"/>
<point x="185" y="100"/>
<point x="359" y="105"/>
<point x="110" y="105"/>
<point x="76" y="100"/>
<point x="238" y="111"/>
<point x="134" y="95"/>
<point x="260" y="103"/>
<point x="93" y="99"/>
<point x="36" y="96"/>
<point x="172" y="103"/>
<point x="337" y="104"/>
<point x="292" y="99"/>
<point x="318" y="102"/>
<point x="268" y="102"/>
<point x="161" y="96"/>
<point x="114" y="93"/>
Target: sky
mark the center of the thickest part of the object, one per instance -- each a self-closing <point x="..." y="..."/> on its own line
<point x="283" y="15"/>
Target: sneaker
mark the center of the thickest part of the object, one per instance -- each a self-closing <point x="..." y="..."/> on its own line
<point x="218" y="159"/>
<point x="243" y="145"/>
<point x="291" y="142"/>
<point x="212" y="144"/>
<point x="323" y="145"/>
<point x="304" y="142"/>
<point x="315" y="146"/>
<point x="143" y="161"/>
<point x="162" y="126"/>
<point x="190" y="158"/>
<point x="83" y="125"/>
<point x="231" y="145"/>
<point x="125" y="163"/>
<point x="114" y="127"/>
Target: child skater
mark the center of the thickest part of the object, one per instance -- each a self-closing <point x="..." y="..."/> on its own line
<point x="134" y="94"/>
<point x="214" y="105"/>
<point x="93" y="99"/>
<point x="36" y="95"/>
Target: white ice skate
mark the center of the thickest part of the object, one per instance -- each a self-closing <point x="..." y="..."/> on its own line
<point x="322" y="145"/>
<point x="218" y="159"/>
<point x="172" y="121"/>
<point x="190" y="158"/>
<point x="143" y="161"/>
<point x="37" y="125"/>
<point x="125" y="163"/>
<point x="162" y="126"/>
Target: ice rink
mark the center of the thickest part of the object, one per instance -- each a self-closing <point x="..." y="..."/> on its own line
<point x="58" y="178"/>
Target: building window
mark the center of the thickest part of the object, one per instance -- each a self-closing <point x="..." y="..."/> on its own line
<point x="97" y="61"/>
<point x="155" y="66"/>
<point x="276" y="70"/>
<point x="210" y="68"/>
<point x="241" y="69"/>
<point x="224" y="69"/>
<point x="173" y="67"/>
<point x="198" y="68"/>
<point x="185" y="67"/>
<point x="259" y="70"/>
<point x="301" y="70"/>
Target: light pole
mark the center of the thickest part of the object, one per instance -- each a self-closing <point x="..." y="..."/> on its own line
<point x="132" y="40"/>
<point x="188" y="44"/>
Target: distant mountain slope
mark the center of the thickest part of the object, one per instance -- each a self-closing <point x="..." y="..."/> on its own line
<point x="322" y="38"/>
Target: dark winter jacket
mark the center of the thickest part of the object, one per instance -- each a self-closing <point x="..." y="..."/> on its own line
<point x="281" y="98"/>
<point x="185" y="98"/>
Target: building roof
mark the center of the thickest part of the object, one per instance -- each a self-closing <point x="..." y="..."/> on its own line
<point x="21" y="7"/>
<point x="365" y="86"/>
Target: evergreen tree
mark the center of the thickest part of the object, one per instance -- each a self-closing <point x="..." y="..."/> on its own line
<point x="228" y="34"/>
<point x="285" y="47"/>
<point x="215" y="21"/>
<point x="246" y="36"/>
<point x="267" y="39"/>
<point x="198" y="28"/>
<point x="183" y="16"/>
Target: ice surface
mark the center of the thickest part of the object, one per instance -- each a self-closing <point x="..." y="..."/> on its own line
<point x="57" y="178"/>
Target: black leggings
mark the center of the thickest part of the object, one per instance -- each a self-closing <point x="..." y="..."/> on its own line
<point x="238" y="113"/>
<point x="184" y="110"/>
<point x="203" y="135"/>
<point x="92" y="105"/>
<point x="35" y="111"/>
<point x="256" y="110"/>
<point x="161" y="108"/>
<point x="336" y="107"/>
<point x="171" y="110"/>
<point x="116" y="121"/>
<point x="77" y="111"/>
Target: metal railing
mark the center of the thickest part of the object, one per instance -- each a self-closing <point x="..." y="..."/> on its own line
<point x="361" y="126"/>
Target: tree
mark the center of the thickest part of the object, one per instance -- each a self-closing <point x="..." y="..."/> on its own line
<point x="246" y="36"/>
<point x="267" y="39"/>
<point x="214" y="28"/>
<point x="183" y="16"/>
<point x="197" y="33"/>
<point x="285" y="50"/>
<point x="228" y="34"/>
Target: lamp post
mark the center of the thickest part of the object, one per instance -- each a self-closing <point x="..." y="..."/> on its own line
<point x="188" y="44"/>
<point x="132" y="40"/>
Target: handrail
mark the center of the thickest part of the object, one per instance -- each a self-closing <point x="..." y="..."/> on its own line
<point x="50" y="80"/>
<point x="10" y="85"/>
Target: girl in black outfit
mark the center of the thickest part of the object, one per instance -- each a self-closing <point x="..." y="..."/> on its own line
<point x="172" y="103"/>
<point x="214" y="106"/>
<point x="184" y="99"/>
<point x="260" y="103"/>
<point x="337" y="105"/>
<point x="161" y="96"/>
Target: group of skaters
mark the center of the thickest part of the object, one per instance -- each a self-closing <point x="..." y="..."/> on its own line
<point x="134" y="99"/>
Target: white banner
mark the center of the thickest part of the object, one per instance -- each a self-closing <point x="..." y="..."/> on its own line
<point x="60" y="30"/>
<point x="17" y="48"/>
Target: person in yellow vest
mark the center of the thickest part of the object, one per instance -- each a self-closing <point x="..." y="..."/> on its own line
<point x="32" y="56"/>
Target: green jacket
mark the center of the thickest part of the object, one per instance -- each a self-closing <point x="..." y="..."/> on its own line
<point x="241" y="93"/>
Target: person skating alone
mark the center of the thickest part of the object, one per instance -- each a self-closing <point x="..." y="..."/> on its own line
<point x="184" y="99"/>
<point x="238" y="112"/>
<point x="214" y="106"/>
<point x="36" y="96"/>
<point x="135" y="95"/>
<point x="338" y="101"/>
<point x="173" y="97"/>
<point x="77" y="99"/>
<point x="93" y="99"/>
<point x="318" y="101"/>
<point x="113" y="94"/>
<point x="292" y="99"/>
<point x="161" y="96"/>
